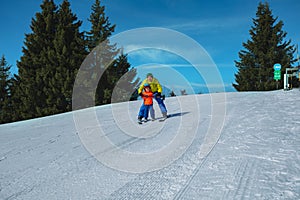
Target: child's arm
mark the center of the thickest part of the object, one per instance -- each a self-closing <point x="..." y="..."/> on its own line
<point x="148" y="95"/>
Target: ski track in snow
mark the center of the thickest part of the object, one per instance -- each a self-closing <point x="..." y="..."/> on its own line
<point x="256" y="157"/>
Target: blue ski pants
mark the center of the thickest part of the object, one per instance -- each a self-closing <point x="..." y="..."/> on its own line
<point x="144" y="110"/>
<point x="161" y="105"/>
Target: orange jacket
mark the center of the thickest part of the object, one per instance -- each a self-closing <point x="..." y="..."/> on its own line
<point x="148" y="98"/>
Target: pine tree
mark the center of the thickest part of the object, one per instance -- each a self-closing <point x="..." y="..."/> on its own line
<point x="30" y="95"/>
<point x="104" y="52"/>
<point x="15" y="91"/>
<point x="64" y="60"/>
<point x="52" y="55"/>
<point x="123" y="80"/>
<point x="107" y="60"/>
<point x="172" y="94"/>
<point x="5" y="93"/>
<point x="183" y="92"/>
<point x="101" y="29"/>
<point x="265" y="48"/>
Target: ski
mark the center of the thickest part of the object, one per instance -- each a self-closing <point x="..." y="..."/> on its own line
<point x="164" y="118"/>
<point x="143" y="121"/>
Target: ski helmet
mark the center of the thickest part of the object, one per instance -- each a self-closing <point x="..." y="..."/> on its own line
<point x="146" y="85"/>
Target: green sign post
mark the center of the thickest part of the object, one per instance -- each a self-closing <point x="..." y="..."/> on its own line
<point x="277" y="73"/>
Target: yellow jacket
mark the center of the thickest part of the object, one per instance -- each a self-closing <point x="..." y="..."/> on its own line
<point x="154" y="85"/>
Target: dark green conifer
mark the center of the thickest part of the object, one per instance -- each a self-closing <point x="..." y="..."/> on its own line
<point x="266" y="47"/>
<point x="32" y="88"/>
<point x="5" y="93"/>
<point x="108" y="61"/>
<point x="64" y="60"/>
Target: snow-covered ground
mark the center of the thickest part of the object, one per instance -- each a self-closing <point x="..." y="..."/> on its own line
<point x="250" y="152"/>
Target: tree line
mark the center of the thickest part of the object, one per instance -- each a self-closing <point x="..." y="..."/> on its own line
<point x="52" y="55"/>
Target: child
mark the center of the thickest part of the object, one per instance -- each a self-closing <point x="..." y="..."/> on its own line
<point x="147" y="96"/>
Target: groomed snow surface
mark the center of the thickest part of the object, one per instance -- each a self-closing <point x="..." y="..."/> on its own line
<point x="255" y="154"/>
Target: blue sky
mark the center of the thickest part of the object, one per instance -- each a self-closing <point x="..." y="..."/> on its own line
<point x="220" y="26"/>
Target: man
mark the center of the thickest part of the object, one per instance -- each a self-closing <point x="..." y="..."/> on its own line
<point x="157" y="90"/>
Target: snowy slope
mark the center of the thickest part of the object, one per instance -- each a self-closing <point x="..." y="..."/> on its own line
<point x="252" y="152"/>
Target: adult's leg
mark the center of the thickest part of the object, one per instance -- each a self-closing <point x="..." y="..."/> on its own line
<point x="161" y="105"/>
<point x="152" y="112"/>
